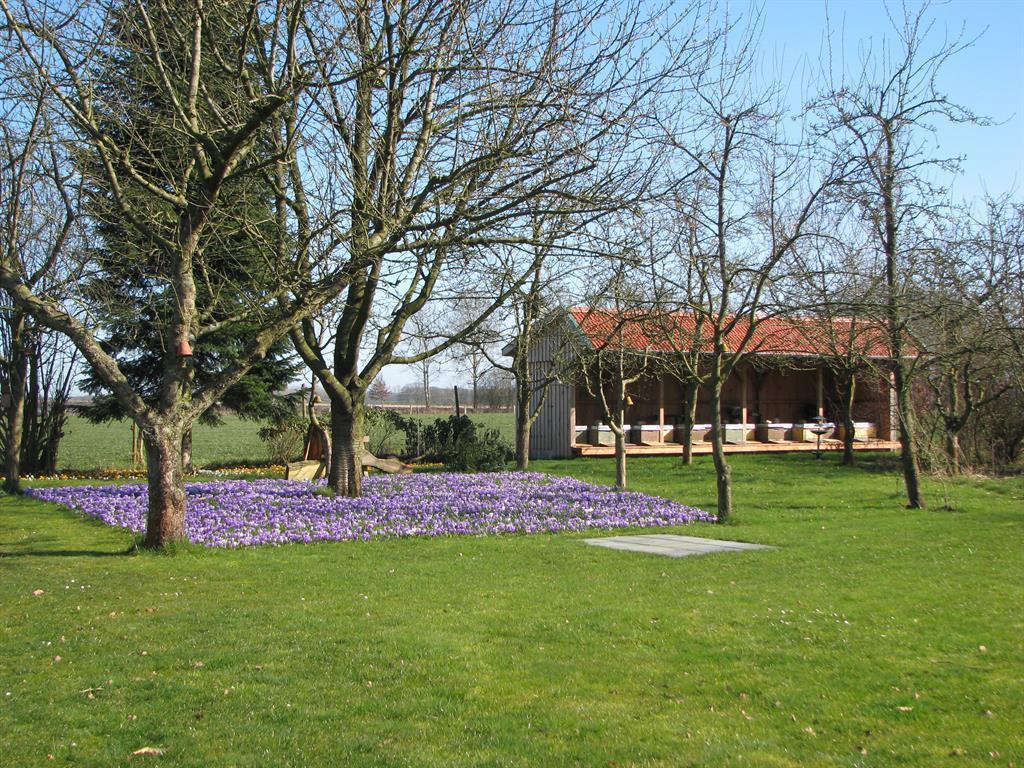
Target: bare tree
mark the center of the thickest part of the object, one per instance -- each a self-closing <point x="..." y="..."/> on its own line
<point x="881" y="114"/>
<point x="420" y="340"/>
<point x="38" y="205"/>
<point x="834" y="285"/>
<point x="471" y="356"/>
<point x="230" y="85"/>
<point x="460" y="120"/>
<point x="379" y="391"/>
<point x="532" y="315"/>
<point x="960" y="324"/>
<point x="749" y="197"/>
<point x="607" y="359"/>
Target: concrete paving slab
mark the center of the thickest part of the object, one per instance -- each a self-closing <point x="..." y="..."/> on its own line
<point x="671" y="545"/>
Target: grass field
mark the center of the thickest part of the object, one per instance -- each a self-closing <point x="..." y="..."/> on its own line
<point x="88" y="446"/>
<point x="873" y="636"/>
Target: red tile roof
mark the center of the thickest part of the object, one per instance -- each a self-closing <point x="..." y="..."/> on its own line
<point x="678" y="331"/>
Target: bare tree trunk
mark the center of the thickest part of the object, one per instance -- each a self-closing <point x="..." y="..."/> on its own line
<point x="954" y="453"/>
<point x="524" y="423"/>
<point x="620" y="459"/>
<point x="723" y="473"/>
<point x="165" y="521"/>
<point x="14" y="404"/>
<point x="848" y="395"/>
<point x="346" y="472"/>
<point x="689" y="417"/>
<point x="953" y="425"/>
<point x="908" y="446"/>
<point x="620" y="435"/>
<point x="186" y="453"/>
<point x="523" y="427"/>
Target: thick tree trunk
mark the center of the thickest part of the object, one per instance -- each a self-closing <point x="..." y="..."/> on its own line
<point x="689" y="416"/>
<point x="848" y="395"/>
<point x="522" y="445"/>
<point x="723" y="473"/>
<point x="346" y="473"/>
<point x="523" y="425"/>
<point x="165" y="519"/>
<point x="908" y="445"/>
<point x="14" y="404"/>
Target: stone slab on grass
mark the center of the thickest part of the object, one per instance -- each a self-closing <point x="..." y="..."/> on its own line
<point x="671" y="545"/>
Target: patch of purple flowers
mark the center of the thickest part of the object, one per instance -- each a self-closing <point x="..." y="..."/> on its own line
<point x="236" y="513"/>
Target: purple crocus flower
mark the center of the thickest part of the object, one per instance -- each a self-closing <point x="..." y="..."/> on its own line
<point x="236" y="513"/>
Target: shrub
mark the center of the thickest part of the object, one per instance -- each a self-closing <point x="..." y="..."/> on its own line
<point x="387" y="432"/>
<point x="284" y="437"/>
<point x="463" y="447"/>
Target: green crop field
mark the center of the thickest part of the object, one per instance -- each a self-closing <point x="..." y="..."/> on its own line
<point x="88" y="446"/>
<point x="871" y="636"/>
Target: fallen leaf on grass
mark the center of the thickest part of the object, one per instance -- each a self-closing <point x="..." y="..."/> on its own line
<point x="38" y="592"/>
<point x="155" y="751"/>
<point x="905" y="709"/>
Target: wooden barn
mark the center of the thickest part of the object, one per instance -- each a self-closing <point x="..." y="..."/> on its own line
<point x="785" y="379"/>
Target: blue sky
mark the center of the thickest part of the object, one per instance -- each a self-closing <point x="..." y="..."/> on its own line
<point x="988" y="77"/>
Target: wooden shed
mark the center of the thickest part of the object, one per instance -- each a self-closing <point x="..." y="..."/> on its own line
<point x="783" y="382"/>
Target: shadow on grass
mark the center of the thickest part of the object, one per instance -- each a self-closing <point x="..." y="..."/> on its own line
<point x="130" y="552"/>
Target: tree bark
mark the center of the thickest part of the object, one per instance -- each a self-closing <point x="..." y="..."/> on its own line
<point x="620" y="458"/>
<point x="523" y="425"/>
<point x="908" y="446"/>
<point x="848" y="395"/>
<point x="186" y="453"/>
<point x="953" y="424"/>
<point x="689" y="416"/>
<point x="954" y="453"/>
<point x="14" y="404"/>
<point x="620" y="433"/>
<point x="723" y="473"/>
<point x="523" y="444"/>
<point x="346" y="473"/>
<point x="165" y="519"/>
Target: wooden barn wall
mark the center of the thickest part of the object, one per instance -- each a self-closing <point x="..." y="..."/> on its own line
<point x="552" y="433"/>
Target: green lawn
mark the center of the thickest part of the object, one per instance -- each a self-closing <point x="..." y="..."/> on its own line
<point x="873" y="636"/>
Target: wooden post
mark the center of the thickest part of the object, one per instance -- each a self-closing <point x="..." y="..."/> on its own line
<point x="821" y="391"/>
<point x="893" y="431"/>
<point x="136" y="446"/>
<point x="661" y="408"/>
